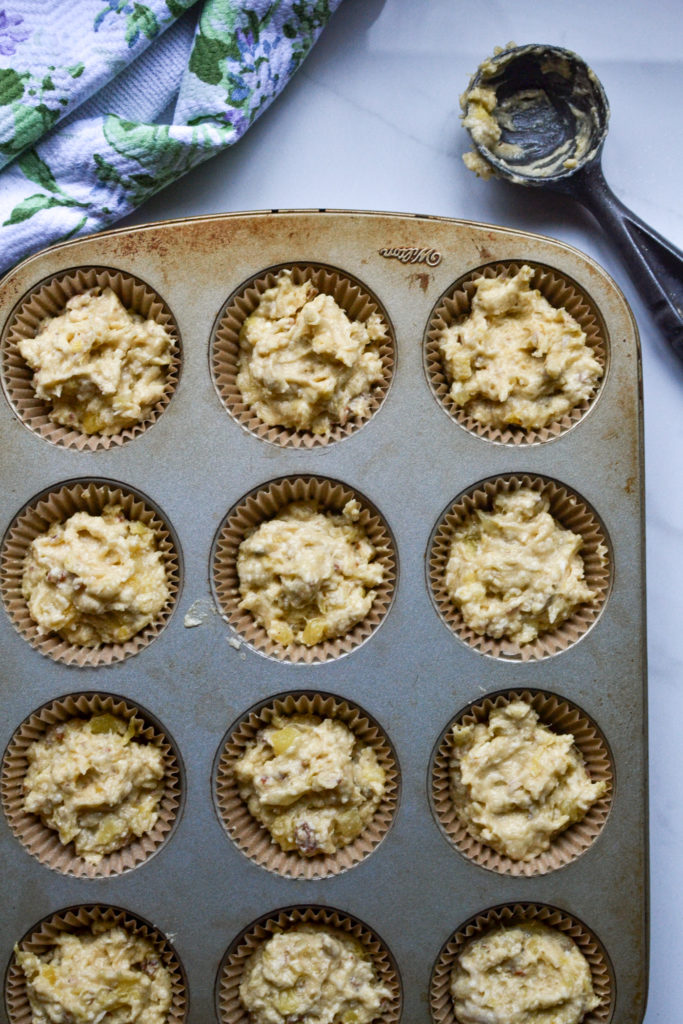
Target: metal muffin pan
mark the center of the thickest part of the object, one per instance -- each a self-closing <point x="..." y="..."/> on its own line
<point x="412" y="674"/>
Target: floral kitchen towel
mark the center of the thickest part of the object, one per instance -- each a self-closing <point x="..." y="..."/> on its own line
<point x="84" y="85"/>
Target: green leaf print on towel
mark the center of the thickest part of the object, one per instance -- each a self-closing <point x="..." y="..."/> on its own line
<point x="160" y="157"/>
<point x="110" y="7"/>
<point x="214" y="41"/>
<point x="178" y="7"/>
<point x="37" y="171"/>
<point x="310" y="19"/>
<point x="206" y="57"/>
<point x="29" y="206"/>
<point x="141" y="20"/>
<point x="29" y="124"/>
<point x="11" y="86"/>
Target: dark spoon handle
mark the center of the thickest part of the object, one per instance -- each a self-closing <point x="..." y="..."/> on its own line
<point x="655" y="265"/>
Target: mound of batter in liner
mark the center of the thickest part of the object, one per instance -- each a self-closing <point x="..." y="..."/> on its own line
<point x="515" y="572"/>
<point x="522" y="974"/>
<point x="515" y="360"/>
<point x="93" y="783"/>
<point x="101" y="976"/>
<point x="95" y="579"/>
<point x="307" y="574"/>
<point x="311" y="782"/>
<point x="303" y="364"/>
<point x="99" y="366"/>
<point x="312" y="975"/>
<point x="515" y="784"/>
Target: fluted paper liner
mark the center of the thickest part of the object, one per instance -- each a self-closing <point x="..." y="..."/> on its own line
<point x="230" y="1009"/>
<point x="454" y="307"/>
<point x="348" y="292"/>
<point x="43" y="842"/>
<point x="252" y="837"/>
<point x="572" y="513"/>
<point x="81" y="918"/>
<point x="560" y="716"/>
<point x="49" y="299"/>
<point x="441" y="1001"/>
<point x="264" y="503"/>
<point x="56" y="506"/>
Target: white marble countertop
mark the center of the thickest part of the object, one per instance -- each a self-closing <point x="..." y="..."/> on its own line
<point x="371" y="122"/>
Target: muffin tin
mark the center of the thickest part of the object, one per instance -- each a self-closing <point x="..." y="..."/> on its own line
<point x="415" y="892"/>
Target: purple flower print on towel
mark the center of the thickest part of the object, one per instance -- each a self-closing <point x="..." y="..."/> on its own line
<point x="10" y="33"/>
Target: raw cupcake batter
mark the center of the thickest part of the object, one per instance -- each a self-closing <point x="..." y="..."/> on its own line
<point x="515" y="572"/>
<point x="307" y="575"/>
<point x="516" y="784"/>
<point x="95" y="579"/>
<point x="522" y="974"/>
<point x="311" y="975"/>
<point x="477" y="105"/>
<point x="311" y="782"/>
<point x="303" y="363"/>
<point x="100" y="367"/>
<point x="94" y="784"/>
<point x="494" y="120"/>
<point x="102" y="976"/>
<point x="515" y="360"/>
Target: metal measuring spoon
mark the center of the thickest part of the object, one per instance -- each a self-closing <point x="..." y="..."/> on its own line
<point x="538" y="116"/>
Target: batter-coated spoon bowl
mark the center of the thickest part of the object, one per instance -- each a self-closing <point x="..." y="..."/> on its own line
<point x="538" y="116"/>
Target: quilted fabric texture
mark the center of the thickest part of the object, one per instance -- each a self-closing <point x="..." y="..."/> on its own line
<point x="83" y="88"/>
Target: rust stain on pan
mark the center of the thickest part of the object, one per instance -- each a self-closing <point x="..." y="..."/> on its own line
<point x="422" y="280"/>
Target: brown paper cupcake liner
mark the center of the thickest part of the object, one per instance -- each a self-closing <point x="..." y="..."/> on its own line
<point x="229" y="1007"/>
<point x="43" y="842"/>
<point x="572" y="513"/>
<point x="455" y="305"/>
<point x="56" y="506"/>
<point x="357" y="302"/>
<point x="252" y="837"/>
<point x="81" y="918"/>
<point x="265" y="502"/>
<point x="561" y="716"/>
<point x="48" y="299"/>
<point x="602" y="975"/>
